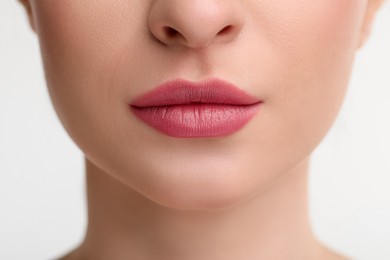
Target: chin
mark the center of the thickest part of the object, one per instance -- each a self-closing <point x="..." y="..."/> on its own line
<point x="190" y="191"/>
<point x="198" y="200"/>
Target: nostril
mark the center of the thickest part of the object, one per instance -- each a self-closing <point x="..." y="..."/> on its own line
<point x="170" y="32"/>
<point x="225" y="30"/>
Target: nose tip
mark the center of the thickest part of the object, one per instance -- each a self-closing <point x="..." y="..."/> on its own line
<point x="169" y="35"/>
<point x="195" y="24"/>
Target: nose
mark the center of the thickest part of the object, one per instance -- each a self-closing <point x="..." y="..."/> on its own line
<point x="195" y="23"/>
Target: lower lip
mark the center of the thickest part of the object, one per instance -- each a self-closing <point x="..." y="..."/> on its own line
<point x="197" y="120"/>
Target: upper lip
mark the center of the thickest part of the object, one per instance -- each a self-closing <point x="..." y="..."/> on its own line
<point x="180" y="91"/>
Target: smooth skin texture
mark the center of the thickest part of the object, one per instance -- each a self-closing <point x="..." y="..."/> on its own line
<point x="243" y="196"/>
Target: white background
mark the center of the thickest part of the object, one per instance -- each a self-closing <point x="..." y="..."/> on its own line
<point x="42" y="195"/>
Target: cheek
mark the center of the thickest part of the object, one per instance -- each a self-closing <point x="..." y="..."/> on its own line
<point x="303" y="58"/>
<point x="84" y="36"/>
<point x="309" y="49"/>
<point x="280" y="20"/>
<point x="321" y="59"/>
<point x="82" y="44"/>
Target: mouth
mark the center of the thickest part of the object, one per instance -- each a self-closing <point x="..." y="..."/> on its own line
<point x="185" y="109"/>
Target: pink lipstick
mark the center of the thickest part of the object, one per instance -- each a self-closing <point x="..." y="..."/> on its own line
<point x="185" y="109"/>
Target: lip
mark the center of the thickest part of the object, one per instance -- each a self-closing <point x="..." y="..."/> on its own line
<point x="184" y="109"/>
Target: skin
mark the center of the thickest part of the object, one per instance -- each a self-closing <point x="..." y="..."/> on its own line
<point x="243" y="196"/>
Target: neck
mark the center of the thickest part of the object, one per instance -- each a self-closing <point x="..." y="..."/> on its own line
<point x="273" y="224"/>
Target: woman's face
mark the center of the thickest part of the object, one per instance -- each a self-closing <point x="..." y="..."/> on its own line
<point x="99" y="55"/>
